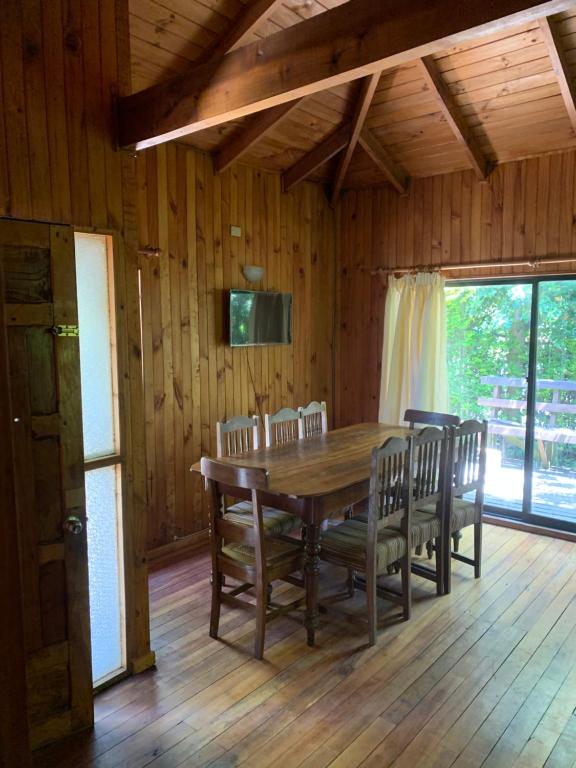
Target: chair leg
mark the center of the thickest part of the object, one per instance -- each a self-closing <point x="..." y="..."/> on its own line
<point x="447" y="560"/>
<point x="405" y="569"/>
<point x="216" y="602"/>
<point x="439" y="566"/>
<point x="477" y="549"/>
<point x="456" y="536"/>
<point x="261" y="602"/>
<point x="350" y="582"/>
<point x="371" y="606"/>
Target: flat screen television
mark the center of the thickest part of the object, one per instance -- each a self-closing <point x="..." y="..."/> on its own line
<point x="257" y="318"/>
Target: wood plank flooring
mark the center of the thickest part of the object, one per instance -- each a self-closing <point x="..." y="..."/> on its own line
<point x="483" y="677"/>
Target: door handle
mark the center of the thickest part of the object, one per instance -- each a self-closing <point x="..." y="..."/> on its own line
<point x="72" y="524"/>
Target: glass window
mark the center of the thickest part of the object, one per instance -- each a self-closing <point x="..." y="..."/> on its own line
<point x="101" y="454"/>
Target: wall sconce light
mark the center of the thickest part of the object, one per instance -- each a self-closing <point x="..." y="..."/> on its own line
<point x="253" y="273"/>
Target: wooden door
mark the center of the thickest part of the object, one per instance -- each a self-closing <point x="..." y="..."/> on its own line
<point x="44" y="373"/>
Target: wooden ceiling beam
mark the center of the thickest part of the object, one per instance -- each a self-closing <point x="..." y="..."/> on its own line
<point x="458" y="125"/>
<point x="353" y="40"/>
<point x="560" y="66"/>
<point x="367" y="90"/>
<point x="380" y="156"/>
<point x="258" y="126"/>
<point x="244" y="25"/>
<point x="323" y="152"/>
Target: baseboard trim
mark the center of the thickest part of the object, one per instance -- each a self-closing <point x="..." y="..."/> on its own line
<point x="176" y="550"/>
<point x="519" y="525"/>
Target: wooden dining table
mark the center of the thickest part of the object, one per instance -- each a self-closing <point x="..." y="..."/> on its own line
<point x="316" y="478"/>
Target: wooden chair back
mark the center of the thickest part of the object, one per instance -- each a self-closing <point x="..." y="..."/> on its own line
<point x="314" y="419"/>
<point x="469" y="457"/>
<point x="433" y="418"/>
<point x="237" y="435"/>
<point x="255" y="479"/>
<point x="431" y="450"/>
<point x="391" y="487"/>
<point x="284" y="426"/>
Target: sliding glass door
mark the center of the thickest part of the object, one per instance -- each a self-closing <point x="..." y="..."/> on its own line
<point x="512" y="361"/>
<point x="553" y="486"/>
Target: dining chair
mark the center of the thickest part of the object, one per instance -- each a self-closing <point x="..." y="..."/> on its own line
<point x="314" y="419"/>
<point x="431" y="418"/>
<point x="370" y="547"/>
<point x="466" y="496"/>
<point x="246" y="553"/>
<point x="237" y="435"/>
<point x="436" y="419"/>
<point x="284" y="426"/>
<point x="233" y="438"/>
<point x="430" y="492"/>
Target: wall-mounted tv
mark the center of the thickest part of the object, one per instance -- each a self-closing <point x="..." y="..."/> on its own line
<point x="258" y="318"/>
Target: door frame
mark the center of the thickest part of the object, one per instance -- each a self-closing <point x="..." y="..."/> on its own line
<point x="525" y="515"/>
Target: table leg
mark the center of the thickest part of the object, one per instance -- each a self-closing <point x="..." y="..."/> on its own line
<point x="312" y="571"/>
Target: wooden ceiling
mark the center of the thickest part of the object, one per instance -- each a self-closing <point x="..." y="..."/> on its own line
<point x="500" y="98"/>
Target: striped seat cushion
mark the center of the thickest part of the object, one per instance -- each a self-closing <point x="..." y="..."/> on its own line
<point x="425" y="526"/>
<point x="276" y="549"/>
<point x="275" y="520"/>
<point x="463" y="513"/>
<point x="347" y="542"/>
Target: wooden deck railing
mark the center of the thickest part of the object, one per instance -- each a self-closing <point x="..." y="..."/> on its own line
<point x="549" y="433"/>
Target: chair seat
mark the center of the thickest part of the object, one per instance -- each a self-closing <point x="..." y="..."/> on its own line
<point x="276" y="550"/>
<point x="347" y="542"/>
<point x="463" y="514"/>
<point x="425" y="526"/>
<point x="276" y="521"/>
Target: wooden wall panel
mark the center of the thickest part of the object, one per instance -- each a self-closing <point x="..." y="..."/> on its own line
<point x="526" y="209"/>
<point x="192" y="378"/>
<point x="61" y="64"/>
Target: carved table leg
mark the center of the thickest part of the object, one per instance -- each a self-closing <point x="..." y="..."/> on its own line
<point x="312" y="570"/>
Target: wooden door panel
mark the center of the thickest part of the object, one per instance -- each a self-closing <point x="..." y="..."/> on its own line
<point x="27" y="273"/>
<point x="40" y="279"/>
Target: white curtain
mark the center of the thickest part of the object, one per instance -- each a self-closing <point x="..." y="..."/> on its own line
<point x="414" y="353"/>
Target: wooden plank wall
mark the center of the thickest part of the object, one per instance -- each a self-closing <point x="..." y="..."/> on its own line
<point x="192" y="379"/>
<point x="61" y="64"/>
<point x="527" y="209"/>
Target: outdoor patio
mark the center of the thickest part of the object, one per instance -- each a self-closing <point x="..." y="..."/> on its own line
<point x="554" y="492"/>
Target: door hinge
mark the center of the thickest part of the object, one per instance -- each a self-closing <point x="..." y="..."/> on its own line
<point x="65" y="330"/>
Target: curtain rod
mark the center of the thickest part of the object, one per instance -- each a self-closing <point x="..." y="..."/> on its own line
<point x="534" y="263"/>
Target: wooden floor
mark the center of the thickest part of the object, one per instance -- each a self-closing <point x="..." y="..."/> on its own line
<point x="485" y="676"/>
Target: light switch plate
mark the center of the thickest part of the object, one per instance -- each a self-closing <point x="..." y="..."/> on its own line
<point x="235" y="231"/>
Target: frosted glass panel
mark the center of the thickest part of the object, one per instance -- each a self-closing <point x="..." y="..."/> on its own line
<point x="104" y="571"/>
<point x="95" y="345"/>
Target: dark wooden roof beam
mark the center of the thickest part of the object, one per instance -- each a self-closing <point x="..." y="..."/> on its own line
<point x="458" y="125"/>
<point x="560" y="65"/>
<point x="380" y="156"/>
<point x="258" y="126"/>
<point x="367" y="89"/>
<point x="353" y="40"/>
<point x="323" y="152"/>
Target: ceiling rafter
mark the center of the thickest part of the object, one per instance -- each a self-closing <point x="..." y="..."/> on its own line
<point x="458" y="125"/>
<point x="317" y="156"/>
<point x="367" y="89"/>
<point x="560" y="66"/>
<point x="258" y="126"/>
<point x="307" y="58"/>
<point x="249" y="18"/>
<point x="243" y="26"/>
<point x="381" y="157"/>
